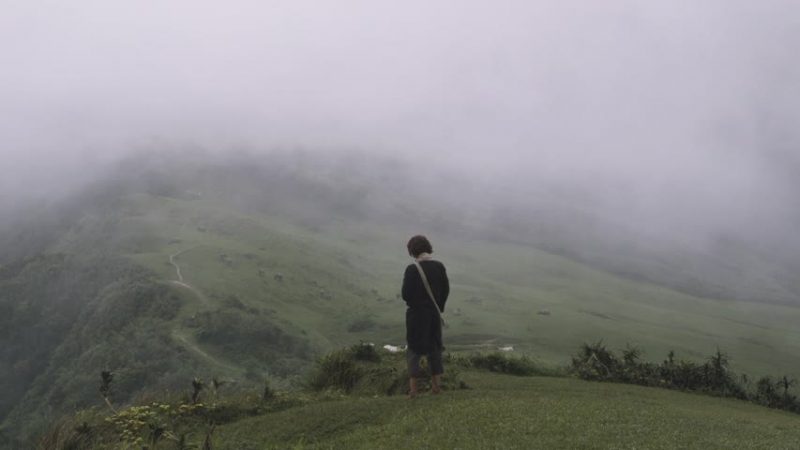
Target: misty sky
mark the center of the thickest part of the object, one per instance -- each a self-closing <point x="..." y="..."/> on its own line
<point x="687" y="103"/>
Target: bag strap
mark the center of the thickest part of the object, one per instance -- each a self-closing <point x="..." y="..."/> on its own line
<point x="428" y="288"/>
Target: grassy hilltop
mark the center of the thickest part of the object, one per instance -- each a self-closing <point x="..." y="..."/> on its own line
<point x="510" y="412"/>
<point x="246" y="272"/>
<point x="345" y="405"/>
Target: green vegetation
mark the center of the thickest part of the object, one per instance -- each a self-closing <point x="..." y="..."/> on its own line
<point x="713" y="377"/>
<point x="498" y="362"/>
<point x="246" y="273"/>
<point x="349" y="407"/>
<point x="363" y="369"/>
<point x="502" y="411"/>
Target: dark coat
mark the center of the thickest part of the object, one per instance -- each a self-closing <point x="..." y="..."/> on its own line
<point x="423" y="327"/>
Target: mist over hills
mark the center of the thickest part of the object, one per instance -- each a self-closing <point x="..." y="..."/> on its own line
<point x="286" y="255"/>
<point x="224" y="189"/>
<point x="312" y="188"/>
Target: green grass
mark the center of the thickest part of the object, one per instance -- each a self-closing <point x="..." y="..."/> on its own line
<point x="502" y="411"/>
<point x="477" y="409"/>
<point x="297" y="283"/>
<point x="343" y="271"/>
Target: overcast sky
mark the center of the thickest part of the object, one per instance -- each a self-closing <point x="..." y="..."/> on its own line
<point x="662" y="102"/>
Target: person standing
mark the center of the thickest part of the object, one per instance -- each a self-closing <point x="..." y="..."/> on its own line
<point x="424" y="312"/>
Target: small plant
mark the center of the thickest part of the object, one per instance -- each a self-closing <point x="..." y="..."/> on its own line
<point x="216" y="384"/>
<point x="268" y="393"/>
<point x="785" y="383"/>
<point x="106" y="377"/>
<point x="631" y="355"/>
<point x="766" y="392"/>
<point x="197" y="388"/>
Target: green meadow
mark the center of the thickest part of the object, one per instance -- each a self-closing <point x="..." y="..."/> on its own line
<point x="339" y="285"/>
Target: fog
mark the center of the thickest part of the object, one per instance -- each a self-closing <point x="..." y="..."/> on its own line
<point x="678" y="116"/>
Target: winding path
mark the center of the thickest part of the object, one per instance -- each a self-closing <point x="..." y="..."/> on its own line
<point x="180" y="282"/>
<point x="177" y="267"/>
<point x="176" y="334"/>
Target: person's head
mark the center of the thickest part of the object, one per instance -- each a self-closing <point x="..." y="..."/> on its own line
<point x="418" y="245"/>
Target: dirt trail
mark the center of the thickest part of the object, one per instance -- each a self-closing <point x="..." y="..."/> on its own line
<point x="176" y="334"/>
<point x="177" y="267"/>
<point x="200" y="296"/>
<point x="180" y="281"/>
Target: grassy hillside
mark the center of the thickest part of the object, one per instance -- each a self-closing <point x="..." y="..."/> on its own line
<point x="249" y="274"/>
<point x="339" y="284"/>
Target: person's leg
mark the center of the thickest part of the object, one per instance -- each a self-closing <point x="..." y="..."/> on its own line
<point x="437" y="369"/>
<point x="414" y="371"/>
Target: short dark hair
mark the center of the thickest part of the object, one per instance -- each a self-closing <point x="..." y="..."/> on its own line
<point x="419" y="244"/>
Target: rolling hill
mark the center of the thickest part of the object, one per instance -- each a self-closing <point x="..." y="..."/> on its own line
<point x="248" y="270"/>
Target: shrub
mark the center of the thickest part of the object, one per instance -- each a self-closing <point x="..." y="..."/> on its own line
<point x="713" y="377"/>
<point x="498" y="362"/>
<point x="595" y="362"/>
<point x="365" y="352"/>
<point x="66" y="434"/>
<point x="363" y="369"/>
<point x="336" y="370"/>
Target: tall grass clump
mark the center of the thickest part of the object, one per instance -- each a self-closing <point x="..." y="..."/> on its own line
<point x="365" y="370"/>
<point x="337" y="370"/>
<point x="66" y="435"/>
<point x="502" y="363"/>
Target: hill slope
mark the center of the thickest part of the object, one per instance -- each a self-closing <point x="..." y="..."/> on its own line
<point x="247" y="273"/>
